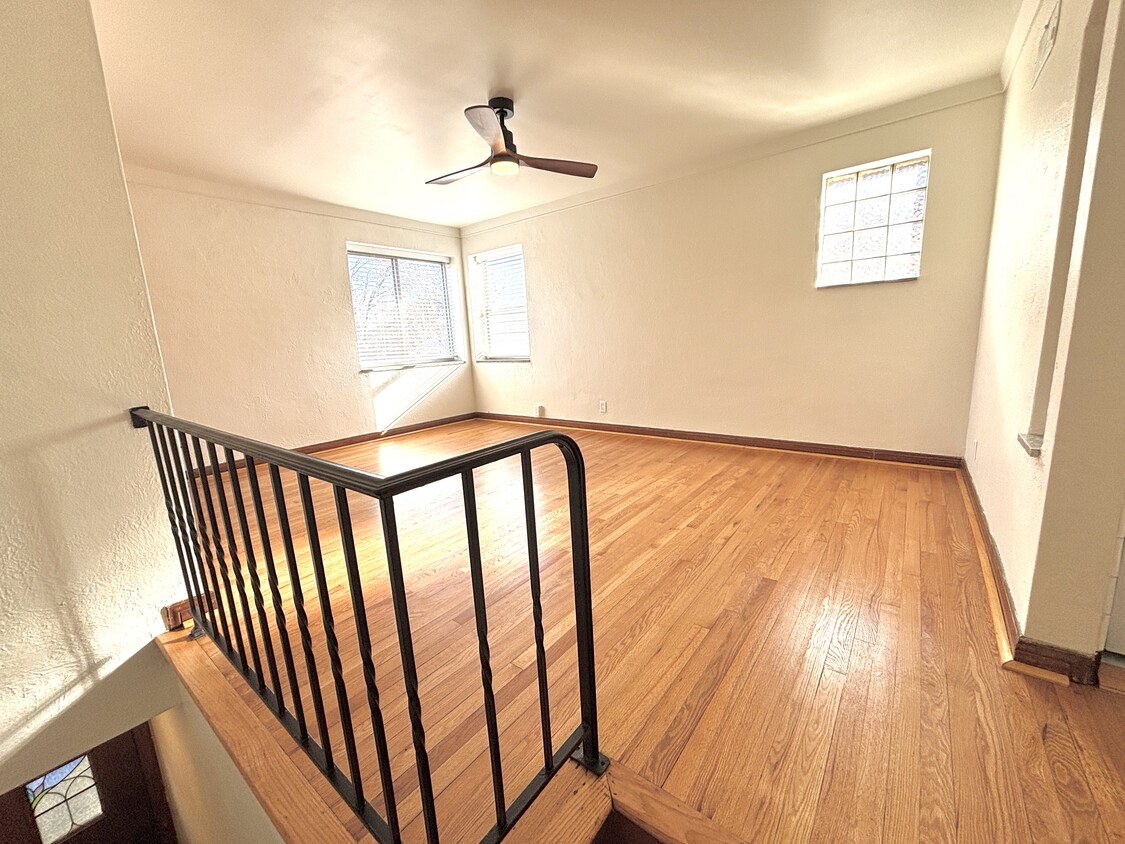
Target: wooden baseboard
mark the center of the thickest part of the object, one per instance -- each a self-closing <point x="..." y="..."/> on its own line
<point x="943" y="461"/>
<point x="1017" y="652"/>
<point x="382" y="435"/>
<point x="358" y="438"/>
<point x="990" y="560"/>
<point x="1078" y="667"/>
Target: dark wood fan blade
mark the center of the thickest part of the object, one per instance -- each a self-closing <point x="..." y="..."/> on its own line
<point x="487" y="124"/>
<point x="459" y="174"/>
<point x="560" y="165"/>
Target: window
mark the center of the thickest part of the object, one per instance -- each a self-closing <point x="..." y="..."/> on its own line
<point x="500" y="299"/>
<point x="403" y="308"/>
<point x="64" y="799"/>
<point x="871" y="220"/>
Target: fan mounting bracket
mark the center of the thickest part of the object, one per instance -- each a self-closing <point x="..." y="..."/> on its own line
<point x="503" y="106"/>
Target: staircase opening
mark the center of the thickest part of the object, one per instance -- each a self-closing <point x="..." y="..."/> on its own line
<point x="294" y="567"/>
<point x="618" y="829"/>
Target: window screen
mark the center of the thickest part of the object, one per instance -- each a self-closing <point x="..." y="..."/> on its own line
<point x="403" y="311"/>
<point x="500" y="296"/>
<point x="871" y="220"/>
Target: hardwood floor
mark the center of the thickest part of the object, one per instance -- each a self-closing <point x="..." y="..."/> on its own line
<point x="799" y="646"/>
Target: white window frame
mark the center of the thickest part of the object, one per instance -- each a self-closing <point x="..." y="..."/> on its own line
<point x="476" y="300"/>
<point x="452" y="285"/>
<point x="820" y="282"/>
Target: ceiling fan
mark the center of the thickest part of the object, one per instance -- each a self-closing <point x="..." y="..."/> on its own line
<point x="489" y="121"/>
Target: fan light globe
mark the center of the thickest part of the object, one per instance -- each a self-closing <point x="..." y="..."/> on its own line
<point x="504" y="166"/>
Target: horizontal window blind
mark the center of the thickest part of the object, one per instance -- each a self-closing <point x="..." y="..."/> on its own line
<point x="502" y="291"/>
<point x="402" y="308"/>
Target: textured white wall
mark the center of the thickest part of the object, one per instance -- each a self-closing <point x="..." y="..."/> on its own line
<point x="85" y="555"/>
<point x="209" y="798"/>
<point x="1078" y="553"/>
<point x="252" y="302"/>
<point x="1034" y="153"/>
<point x="692" y="305"/>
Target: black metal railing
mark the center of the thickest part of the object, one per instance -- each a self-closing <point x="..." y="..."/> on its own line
<point x="222" y="576"/>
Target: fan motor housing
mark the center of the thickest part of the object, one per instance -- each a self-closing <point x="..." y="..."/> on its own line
<point x="503" y="106"/>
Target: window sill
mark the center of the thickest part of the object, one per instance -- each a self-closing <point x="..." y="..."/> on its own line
<point x="865" y="283"/>
<point x="398" y="367"/>
<point x="1031" y="443"/>
<point x="503" y="360"/>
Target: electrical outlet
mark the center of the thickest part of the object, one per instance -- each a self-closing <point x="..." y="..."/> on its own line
<point x="540" y="411"/>
<point x="602" y="407"/>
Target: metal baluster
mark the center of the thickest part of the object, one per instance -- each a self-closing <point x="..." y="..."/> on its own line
<point x="192" y="474"/>
<point x="537" y="608"/>
<point x="330" y="637"/>
<point x="363" y="633"/>
<point x="193" y="531"/>
<point x="480" y="611"/>
<point x="583" y="607"/>
<point x="302" y="618"/>
<point x="275" y="593"/>
<point x="252" y="569"/>
<point x="191" y="548"/>
<point x="236" y="644"/>
<point x="409" y="669"/>
<point x="236" y="563"/>
<point x="179" y="540"/>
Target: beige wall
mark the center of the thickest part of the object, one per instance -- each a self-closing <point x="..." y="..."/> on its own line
<point x="1077" y="561"/>
<point x="209" y="797"/>
<point x="1037" y="195"/>
<point x="691" y="304"/>
<point x="85" y="555"/>
<point x="251" y="297"/>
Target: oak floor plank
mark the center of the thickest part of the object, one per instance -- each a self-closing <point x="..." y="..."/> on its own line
<point x="573" y="807"/>
<point x="937" y="808"/>
<point x="672" y="720"/>
<point x="900" y="822"/>
<point x="836" y="805"/>
<point x="1068" y="776"/>
<point x="659" y="813"/>
<point x="1095" y="719"/>
<point x="989" y="800"/>
<point x="873" y="768"/>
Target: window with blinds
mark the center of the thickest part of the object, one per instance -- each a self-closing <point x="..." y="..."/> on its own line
<point x="403" y="310"/>
<point x="871" y="221"/>
<point x="500" y="300"/>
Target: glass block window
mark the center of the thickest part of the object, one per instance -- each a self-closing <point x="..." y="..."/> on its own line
<point x="64" y="799"/>
<point x="403" y="309"/>
<point x="871" y="220"/>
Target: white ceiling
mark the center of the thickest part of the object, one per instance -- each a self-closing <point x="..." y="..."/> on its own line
<point x="358" y="102"/>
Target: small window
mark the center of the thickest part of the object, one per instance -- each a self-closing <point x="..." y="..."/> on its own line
<point x="403" y="309"/>
<point x="64" y="799"/>
<point x="500" y="300"/>
<point x="871" y="220"/>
